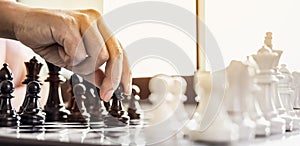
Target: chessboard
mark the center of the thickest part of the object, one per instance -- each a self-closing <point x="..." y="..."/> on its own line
<point x="254" y="103"/>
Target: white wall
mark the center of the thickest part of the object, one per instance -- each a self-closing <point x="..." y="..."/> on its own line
<point x="240" y="26"/>
<point x="150" y="66"/>
<point x="65" y="4"/>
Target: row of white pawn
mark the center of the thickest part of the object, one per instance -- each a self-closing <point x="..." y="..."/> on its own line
<point x="247" y="99"/>
<point x="253" y="99"/>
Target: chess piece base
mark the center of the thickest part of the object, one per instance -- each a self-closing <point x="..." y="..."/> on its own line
<point x="9" y="121"/>
<point x="32" y="118"/>
<point x="263" y="127"/>
<point x="56" y="113"/>
<point x="278" y="125"/>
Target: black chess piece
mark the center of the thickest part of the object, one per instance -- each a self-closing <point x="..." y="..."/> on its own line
<point x="117" y="111"/>
<point x="5" y="73"/>
<point x="32" y="113"/>
<point x="93" y="103"/>
<point x="55" y="108"/>
<point x="33" y="68"/>
<point x="8" y="115"/>
<point x="134" y="109"/>
<point x="75" y="79"/>
<point x="106" y="105"/>
<point x="79" y="112"/>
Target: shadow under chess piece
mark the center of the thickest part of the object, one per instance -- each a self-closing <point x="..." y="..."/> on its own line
<point x="78" y="111"/>
<point x="8" y="115"/>
<point x="55" y="108"/>
<point x="32" y="113"/>
<point x="33" y="68"/>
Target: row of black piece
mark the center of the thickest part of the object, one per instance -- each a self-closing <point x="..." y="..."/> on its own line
<point x="31" y="113"/>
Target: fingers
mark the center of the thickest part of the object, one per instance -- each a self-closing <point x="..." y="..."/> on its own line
<point x="117" y="68"/>
<point x="113" y="69"/>
<point x="96" y="78"/>
<point x="96" y="50"/>
<point x="126" y="78"/>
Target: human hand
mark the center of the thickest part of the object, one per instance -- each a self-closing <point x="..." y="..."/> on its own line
<point x="78" y="41"/>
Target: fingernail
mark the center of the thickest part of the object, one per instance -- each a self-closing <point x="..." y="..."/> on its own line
<point x="108" y="95"/>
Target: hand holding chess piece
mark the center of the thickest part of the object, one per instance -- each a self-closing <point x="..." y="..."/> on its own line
<point x="68" y="38"/>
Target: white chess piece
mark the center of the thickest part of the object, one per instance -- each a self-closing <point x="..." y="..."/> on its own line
<point x="237" y="98"/>
<point x="178" y="90"/>
<point x="296" y="96"/>
<point x="277" y="99"/>
<point x="254" y="110"/>
<point x="211" y="121"/>
<point x="167" y="97"/>
<point x="159" y="89"/>
<point x="286" y="95"/>
<point x="265" y="59"/>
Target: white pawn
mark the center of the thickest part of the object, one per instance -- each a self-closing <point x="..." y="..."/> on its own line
<point x="211" y="122"/>
<point x="286" y="94"/>
<point x="265" y="59"/>
<point x="178" y="89"/>
<point x="237" y="98"/>
<point x="167" y="96"/>
<point x="159" y="89"/>
<point x="296" y="96"/>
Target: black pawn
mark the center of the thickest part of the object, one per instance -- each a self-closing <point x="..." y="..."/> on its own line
<point x="33" y="68"/>
<point x="5" y="73"/>
<point x="134" y="109"/>
<point x="116" y="109"/>
<point x="79" y="112"/>
<point x="55" y="108"/>
<point x="32" y="113"/>
<point x="93" y="103"/>
<point x="8" y="115"/>
<point x="75" y="79"/>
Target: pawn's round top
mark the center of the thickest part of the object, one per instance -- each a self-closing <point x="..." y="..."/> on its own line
<point x="6" y="87"/>
<point x="135" y="90"/>
<point x="76" y="79"/>
<point x="79" y="89"/>
<point x="33" y="87"/>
